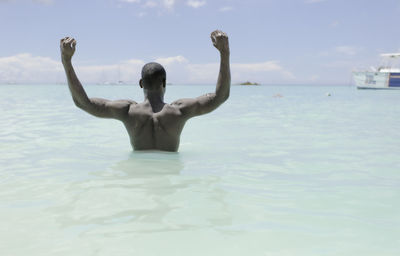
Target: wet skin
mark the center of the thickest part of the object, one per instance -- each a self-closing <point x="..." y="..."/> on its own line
<point x="152" y="124"/>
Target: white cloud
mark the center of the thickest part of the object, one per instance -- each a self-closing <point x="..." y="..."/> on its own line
<point x="226" y="9"/>
<point x="25" y="68"/>
<point x="263" y="72"/>
<point x="171" y="60"/>
<point x="195" y="3"/>
<point x="127" y="71"/>
<point x="259" y="67"/>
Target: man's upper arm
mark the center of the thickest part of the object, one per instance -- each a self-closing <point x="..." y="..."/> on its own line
<point x="200" y="105"/>
<point x="117" y="109"/>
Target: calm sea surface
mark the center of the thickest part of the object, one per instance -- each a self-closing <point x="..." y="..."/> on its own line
<point x="302" y="174"/>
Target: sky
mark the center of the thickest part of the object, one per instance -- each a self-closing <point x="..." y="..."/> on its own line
<point x="271" y="41"/>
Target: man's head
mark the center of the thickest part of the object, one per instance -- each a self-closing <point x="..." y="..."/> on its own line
<point x="153" y="77"/>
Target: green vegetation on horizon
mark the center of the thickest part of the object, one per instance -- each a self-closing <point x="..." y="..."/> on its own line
<point x="249" y="83"/>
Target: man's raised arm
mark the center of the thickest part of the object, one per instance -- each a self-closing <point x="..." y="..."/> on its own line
<point x="209" y="102"/>
<point x="95" y="106"/>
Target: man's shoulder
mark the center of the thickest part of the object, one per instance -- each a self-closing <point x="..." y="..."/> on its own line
<point x="139" y="108"/>
<point x="168" y="108"/>
<point x="182" y="103"/>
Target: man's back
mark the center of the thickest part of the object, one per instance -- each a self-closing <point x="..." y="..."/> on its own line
<point x="152" y="124"/>
<point x="154" y="130"/>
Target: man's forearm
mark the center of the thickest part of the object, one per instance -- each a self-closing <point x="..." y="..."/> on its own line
<point x="78" y="93"/>
<point x="224" y="78"/>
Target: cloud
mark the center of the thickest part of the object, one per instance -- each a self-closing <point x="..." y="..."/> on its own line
<point x="127" y="71"/>
<point x="181" y="70"/>
<point x="195" y="3"/>
<point x="263" y="71"/>
<point x="171" y="60"/>
<point x="26" y="68"/>
<point x="23" y="68"/>
<point x="259" y="67"/>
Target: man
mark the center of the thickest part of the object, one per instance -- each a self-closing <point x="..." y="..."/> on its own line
<point x="152" y="124"/>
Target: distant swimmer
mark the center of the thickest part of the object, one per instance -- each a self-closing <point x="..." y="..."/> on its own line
<point x="152" y="124"/>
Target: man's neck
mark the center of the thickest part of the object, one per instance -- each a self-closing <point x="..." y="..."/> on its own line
<point x="156" y="100"/>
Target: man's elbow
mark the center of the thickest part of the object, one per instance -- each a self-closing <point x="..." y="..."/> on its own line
<point x="79" y="104"/>
<point x="224" y="97"/>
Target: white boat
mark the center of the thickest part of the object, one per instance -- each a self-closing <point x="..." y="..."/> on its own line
<point x="384" y="77"/>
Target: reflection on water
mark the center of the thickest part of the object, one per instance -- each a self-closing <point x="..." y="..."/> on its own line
<point x="150" y="163"/>
<point x="145" y="193"/>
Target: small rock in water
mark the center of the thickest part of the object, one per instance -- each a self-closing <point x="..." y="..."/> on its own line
<point x="328" y="94"/>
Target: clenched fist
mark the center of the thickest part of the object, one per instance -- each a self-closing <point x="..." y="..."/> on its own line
<point x="67" y="46"/>
<point x="220" y="41"/>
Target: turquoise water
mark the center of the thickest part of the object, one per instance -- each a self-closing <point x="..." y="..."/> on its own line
<point x="302" y="174"/>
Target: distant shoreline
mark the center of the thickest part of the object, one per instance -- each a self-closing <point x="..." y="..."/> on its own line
<point x="133" y="84"/>
<point x="248" y="83"/>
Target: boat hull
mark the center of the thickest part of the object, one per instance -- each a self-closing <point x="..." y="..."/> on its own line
<point x="377" y="80"/>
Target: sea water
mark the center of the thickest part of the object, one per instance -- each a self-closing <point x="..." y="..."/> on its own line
<point x="276" y="170"/>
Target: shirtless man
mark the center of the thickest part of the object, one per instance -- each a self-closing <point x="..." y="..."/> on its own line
<point x="152" y="124"/>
